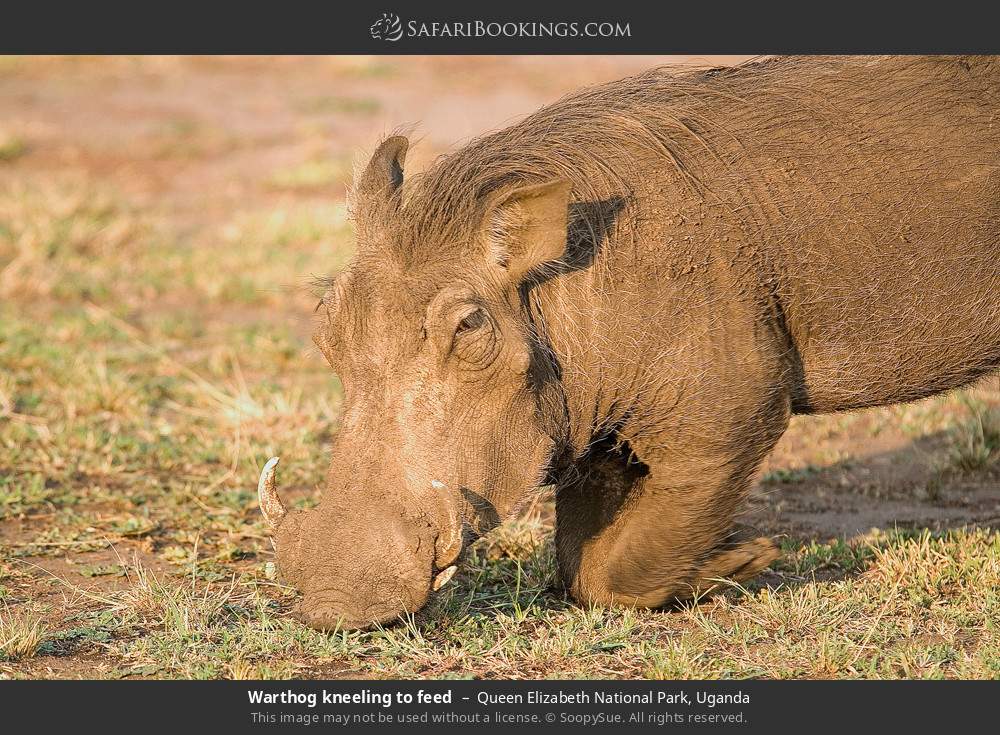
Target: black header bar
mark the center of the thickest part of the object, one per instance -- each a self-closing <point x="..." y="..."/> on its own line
<point x="397" y="27"/>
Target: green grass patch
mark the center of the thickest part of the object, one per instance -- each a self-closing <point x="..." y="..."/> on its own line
<point x="320" y="173"/>
<point x="338" y="104"/>
<point x="12" y="147"/>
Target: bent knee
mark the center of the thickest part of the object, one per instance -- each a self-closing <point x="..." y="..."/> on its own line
<point x="600" y="589"/>
<point x="740" y="562"/>
<point x="601" y="585"/>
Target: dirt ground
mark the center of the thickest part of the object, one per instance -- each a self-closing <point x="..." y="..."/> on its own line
<point x="160" y="219"/>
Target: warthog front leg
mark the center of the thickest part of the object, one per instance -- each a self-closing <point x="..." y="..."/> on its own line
<point x="643" y="535"/>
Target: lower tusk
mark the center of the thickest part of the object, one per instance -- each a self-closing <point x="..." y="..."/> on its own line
<point x="267" y="495"/>
<point x="444" y="577"/>
<point x="448" y="547"/>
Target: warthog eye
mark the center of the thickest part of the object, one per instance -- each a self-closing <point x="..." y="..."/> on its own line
<point x="473" y="343"/>
<point x="471" y="321"/>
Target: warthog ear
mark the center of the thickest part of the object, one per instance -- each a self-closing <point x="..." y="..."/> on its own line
<point x="526" y="227"/>
<point x="384" y="174"/>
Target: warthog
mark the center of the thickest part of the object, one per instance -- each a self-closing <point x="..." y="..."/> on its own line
<point x="626" y="295"/>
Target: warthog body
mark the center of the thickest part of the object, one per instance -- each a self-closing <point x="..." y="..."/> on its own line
<point x="628" y="294"/>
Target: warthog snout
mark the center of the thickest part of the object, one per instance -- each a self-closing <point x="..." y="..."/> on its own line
<point x="356" y="575"/>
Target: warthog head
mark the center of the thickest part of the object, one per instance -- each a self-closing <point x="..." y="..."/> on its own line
<point x="452" y="409"/>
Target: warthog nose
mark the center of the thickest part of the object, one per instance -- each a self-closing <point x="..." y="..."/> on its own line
<point x="328" y="622"/>
<point x="330" y="612"/>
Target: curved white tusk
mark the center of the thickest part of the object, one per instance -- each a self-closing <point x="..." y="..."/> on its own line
<point x="451" y="538"/>
<point x="444" y="577"/>
<point x="267" y="495"/>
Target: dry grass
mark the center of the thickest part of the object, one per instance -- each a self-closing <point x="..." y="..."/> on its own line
<point x="21" y="633"/>
<point x="920" y="606"/>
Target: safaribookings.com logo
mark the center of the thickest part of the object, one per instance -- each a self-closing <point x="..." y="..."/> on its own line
<point x="387" y="28"/>
<point x="390" y="28"/>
